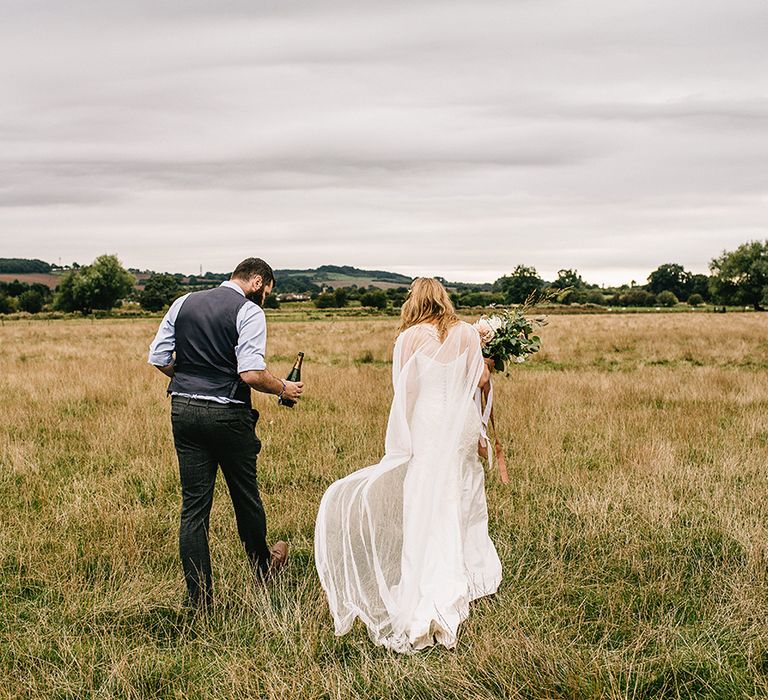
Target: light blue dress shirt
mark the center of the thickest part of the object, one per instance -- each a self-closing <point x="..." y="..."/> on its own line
<point x="251" y="345"/>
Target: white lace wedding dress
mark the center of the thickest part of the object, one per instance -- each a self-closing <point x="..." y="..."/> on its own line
<point x="403" y="544"/>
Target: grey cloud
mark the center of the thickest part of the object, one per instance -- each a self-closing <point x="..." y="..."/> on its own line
<point x="606" y="136"/>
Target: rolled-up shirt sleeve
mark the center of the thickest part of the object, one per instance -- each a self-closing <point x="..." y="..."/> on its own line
<point x="251" y="347"/>
<point x="162" y="347"/>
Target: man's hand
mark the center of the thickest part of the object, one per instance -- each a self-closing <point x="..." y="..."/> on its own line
<point x="293" y="390"/>
<point x="263" y="380"/>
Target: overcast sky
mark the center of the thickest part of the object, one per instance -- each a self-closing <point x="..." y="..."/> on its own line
<point x="427" y="137"/>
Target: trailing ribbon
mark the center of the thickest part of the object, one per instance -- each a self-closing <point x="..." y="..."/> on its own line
<point x="487" y="419"/>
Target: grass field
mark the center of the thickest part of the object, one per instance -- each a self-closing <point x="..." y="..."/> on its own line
<point x="633" y="534"/>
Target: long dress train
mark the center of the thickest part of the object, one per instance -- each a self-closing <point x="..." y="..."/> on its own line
<point x="403" y="544"/>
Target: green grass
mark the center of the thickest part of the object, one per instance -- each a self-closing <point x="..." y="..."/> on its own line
<point x="633" y="534"/>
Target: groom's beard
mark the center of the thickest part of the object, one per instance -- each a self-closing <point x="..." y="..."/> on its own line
<point x="257" y="297"/>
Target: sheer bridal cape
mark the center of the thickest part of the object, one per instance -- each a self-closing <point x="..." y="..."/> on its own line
<point x="403" y="544"/>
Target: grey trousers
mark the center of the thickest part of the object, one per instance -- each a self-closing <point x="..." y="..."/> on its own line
<point x="207" y="436"/>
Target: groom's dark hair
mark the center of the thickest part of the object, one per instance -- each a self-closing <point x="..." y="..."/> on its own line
<point x="250" y="267"/>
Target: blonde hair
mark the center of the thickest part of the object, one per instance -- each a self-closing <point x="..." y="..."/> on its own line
<point x="428" y="302"/>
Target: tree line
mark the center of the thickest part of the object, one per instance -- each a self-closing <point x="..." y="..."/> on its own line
<point x="737" y="278"/>
<point x="666" y="286"/>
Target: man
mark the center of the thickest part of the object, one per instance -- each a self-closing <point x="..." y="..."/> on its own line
<point x="219" y="339"/>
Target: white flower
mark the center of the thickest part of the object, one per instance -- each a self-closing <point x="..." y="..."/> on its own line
<point x="520" y="359"/>
<point x="483" y="323"/>
<point x="495" y="322"/>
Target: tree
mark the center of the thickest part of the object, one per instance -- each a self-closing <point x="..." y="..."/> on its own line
<point x="572" y="296"/>
<point x="65" y="298"/>
<point x="568" y="278"/>
<point x="670" y="277"/>
<point x="340" y="297"/>
<point x="666" y="298"/>
<point x="107" y="282"/>
<point x="695" y="299"/>
<point x="15" y="288"/>
<point x="376" y="299"/>
<point x="595" y="296"/>
<point x="159" y="291"/>
<point x="31" y="301"/>
<point x="741" y="276"/>
<point x="43" y="289"/>
<point x="699" y="285"/>
<point x="326" y="300"/>
<point x="271" y="302"/>
<point x="7" y="304"/>
<point x="637" y="297"/>
<point x="97" y="286"/>
<point x="517" y="286"/>
<point x="397" y="296"/>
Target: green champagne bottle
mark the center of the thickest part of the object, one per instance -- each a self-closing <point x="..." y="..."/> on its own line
<point x="293" y="376"/>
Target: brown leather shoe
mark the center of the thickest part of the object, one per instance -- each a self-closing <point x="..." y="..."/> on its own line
<point x="278" y="557"/>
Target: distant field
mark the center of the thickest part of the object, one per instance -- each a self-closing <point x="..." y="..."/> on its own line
<point x="633" y="534"/>
<point x="48" y="280"/>
<point x="363" y="282"/>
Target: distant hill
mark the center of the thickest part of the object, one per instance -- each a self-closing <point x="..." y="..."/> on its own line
<point x="23" y="266"/>
<point x="288" y="280"/>
<point x="337" y="276"/>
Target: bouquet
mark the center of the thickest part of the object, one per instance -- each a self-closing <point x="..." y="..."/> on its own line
<point x="505" y="336"/>
<point x="509" y="336"/>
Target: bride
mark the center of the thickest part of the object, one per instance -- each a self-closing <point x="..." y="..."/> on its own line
<point x="403" y="544"/>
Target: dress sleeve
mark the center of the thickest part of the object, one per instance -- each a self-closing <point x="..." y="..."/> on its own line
<point x="471" y="344"/>
<point x="400" y="355"/>
<point x="408" y="342"/>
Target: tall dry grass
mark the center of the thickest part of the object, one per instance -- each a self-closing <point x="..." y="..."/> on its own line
<point x="632" y="535"/>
